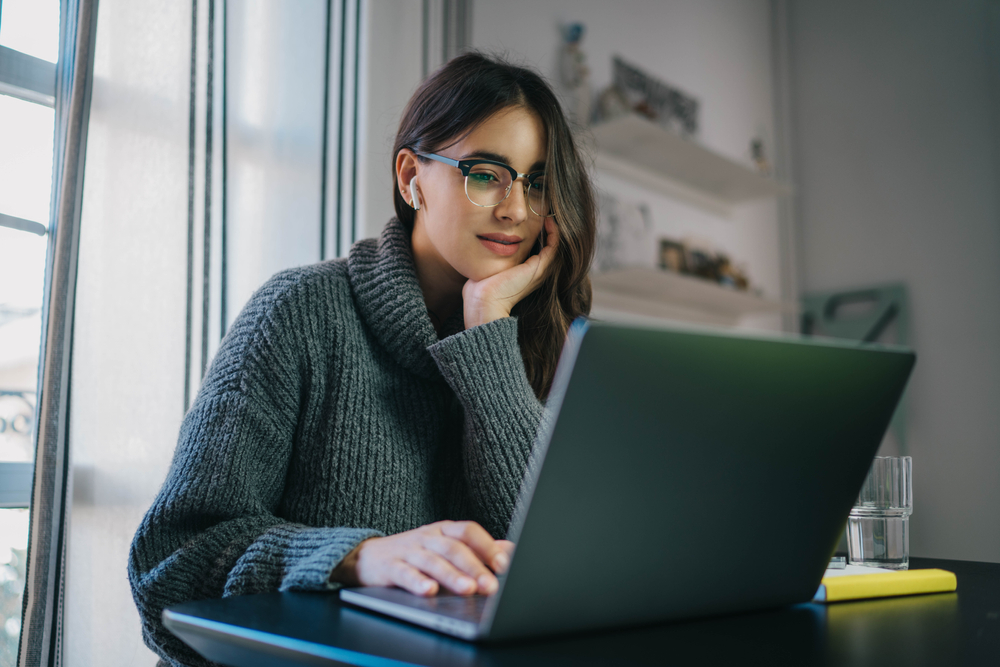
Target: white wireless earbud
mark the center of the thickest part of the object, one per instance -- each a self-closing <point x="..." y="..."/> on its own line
<point x="414" y="200"/>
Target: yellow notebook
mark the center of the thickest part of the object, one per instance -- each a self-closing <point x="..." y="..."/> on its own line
<point x="857" y="584"/>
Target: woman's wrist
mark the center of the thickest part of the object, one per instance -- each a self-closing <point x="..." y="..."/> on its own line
<point x="478" y="313"/>
<point x="346" y="572"/>
<point x="479" y="308"/>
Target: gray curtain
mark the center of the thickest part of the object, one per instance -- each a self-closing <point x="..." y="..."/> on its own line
<point x="43" y="593"/>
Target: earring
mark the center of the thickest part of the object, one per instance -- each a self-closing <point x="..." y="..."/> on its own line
<point x="414" y="199"/>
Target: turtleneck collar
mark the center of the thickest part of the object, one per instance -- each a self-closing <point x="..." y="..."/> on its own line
<point x="386" y="289"/>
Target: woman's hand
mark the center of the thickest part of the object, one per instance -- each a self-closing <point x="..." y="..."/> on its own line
<point x="494" y="297"/>
<point x="459" y="555"/>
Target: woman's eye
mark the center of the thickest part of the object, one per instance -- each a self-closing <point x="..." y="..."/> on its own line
<point x="484" y="177"/>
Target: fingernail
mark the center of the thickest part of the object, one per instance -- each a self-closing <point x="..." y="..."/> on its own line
<point x="488" y="584"/>
<point x="426" y="586"/>
<point x="466" y="584"/>
<point x="500" y="562"/>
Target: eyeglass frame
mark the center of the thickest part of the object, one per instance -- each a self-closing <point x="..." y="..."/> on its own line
<point x="467" y="165"/>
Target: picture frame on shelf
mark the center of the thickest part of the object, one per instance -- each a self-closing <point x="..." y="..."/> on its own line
<point x="672" y="256"/>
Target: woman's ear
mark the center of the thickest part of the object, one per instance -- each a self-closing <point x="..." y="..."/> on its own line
<point x="406" y="174"/>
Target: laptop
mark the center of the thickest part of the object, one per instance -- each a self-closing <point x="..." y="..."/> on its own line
<point x="680" y="474"/>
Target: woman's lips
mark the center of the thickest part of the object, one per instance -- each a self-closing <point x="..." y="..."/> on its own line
<point x="501" y="244"/>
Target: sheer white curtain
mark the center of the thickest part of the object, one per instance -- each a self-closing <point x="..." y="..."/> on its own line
<point x="128" y="352"/>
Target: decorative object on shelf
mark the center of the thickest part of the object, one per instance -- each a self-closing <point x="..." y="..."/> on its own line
<point x="574" y="72"/>
<point x="759" y="157"/>
<point x="731" y="276"/>
<point x="611" y="104"/>
<point x="699" y="260"/>
<point x="672" y="256"/>
<point x="623" y="234"/>
<point x="635" y="91"/>
<point x="871" y="314"/>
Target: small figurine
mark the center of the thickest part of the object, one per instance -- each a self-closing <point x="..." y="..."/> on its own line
<point x="611" y="104"/>
<point x="731" y="276"/>
<point x="759" y="159"/>
<point x="574" y="71"/>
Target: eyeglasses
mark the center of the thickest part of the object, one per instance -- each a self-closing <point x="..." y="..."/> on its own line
<point x="487" y="183"/>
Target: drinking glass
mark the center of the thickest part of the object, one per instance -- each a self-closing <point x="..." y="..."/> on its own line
<point x="878" y="530"/>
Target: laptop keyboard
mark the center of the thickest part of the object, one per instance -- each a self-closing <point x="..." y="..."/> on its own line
<point x="467" y="608"/>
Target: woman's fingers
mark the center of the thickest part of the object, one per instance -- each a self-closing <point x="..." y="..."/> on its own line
<point x="481" y="542"/>
<point x="551" y="241"/>
<point x="436" y="566"/>
<point x="507" y="546"/>
<point x="464" y="559"/>
<point x="410" y="578"/>
<point x="544" y="258"/>
<point x="552" y="229"/>
<point x="503" y="558"/>
<point x="457" y="555"/>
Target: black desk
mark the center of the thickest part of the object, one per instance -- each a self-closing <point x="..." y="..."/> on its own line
<point x="960" y="628"/>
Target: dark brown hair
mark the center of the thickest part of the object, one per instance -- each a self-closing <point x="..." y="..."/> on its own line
<point x="450" y="104"/>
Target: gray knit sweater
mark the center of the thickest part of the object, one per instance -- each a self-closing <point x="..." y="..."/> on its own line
<point x="332" y="413"/>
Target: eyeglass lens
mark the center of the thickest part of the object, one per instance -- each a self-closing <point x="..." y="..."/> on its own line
<point x="487" y="185"/>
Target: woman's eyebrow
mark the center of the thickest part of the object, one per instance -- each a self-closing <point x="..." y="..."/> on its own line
<point x="486" y="155"/>
<point x="496" y="157"/>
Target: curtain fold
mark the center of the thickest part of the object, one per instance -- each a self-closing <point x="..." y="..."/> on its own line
<point x="43" y="594"/>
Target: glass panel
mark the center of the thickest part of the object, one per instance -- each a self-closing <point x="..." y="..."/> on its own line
<point x="13" y="547"/>
<point x="31" y="26"/>
<point x="26" y="133"/>
<point x="22" y="271"/>
<point x="25" y="185"/>
<point x="25" y="157"/>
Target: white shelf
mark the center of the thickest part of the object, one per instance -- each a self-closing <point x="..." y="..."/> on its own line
<point x="641" y="151"/>
<point x="662" y="294"/>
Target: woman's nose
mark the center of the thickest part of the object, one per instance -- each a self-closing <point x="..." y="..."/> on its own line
<point x="515" y="206"/>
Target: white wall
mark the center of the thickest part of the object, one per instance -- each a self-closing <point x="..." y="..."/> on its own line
<point x="897" y="128"/>
<point x="392" y="66"/>
<point x="275" y="64"/>
<point x="718" y="51"/>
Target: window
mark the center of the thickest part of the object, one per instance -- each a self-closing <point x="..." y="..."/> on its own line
<point x="29" y="37"/>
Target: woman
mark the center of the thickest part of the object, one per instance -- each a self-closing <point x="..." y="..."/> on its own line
<point x="368" y="421"/>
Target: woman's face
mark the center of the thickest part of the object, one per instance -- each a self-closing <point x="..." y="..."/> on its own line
<point x="453" y="235"/>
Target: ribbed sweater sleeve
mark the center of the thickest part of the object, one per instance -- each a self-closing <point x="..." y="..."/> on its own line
<point x="212" y="530"/>
<point x="484" y="368"/>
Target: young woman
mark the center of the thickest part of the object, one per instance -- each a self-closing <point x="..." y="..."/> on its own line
<point x="368" y="420"/>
